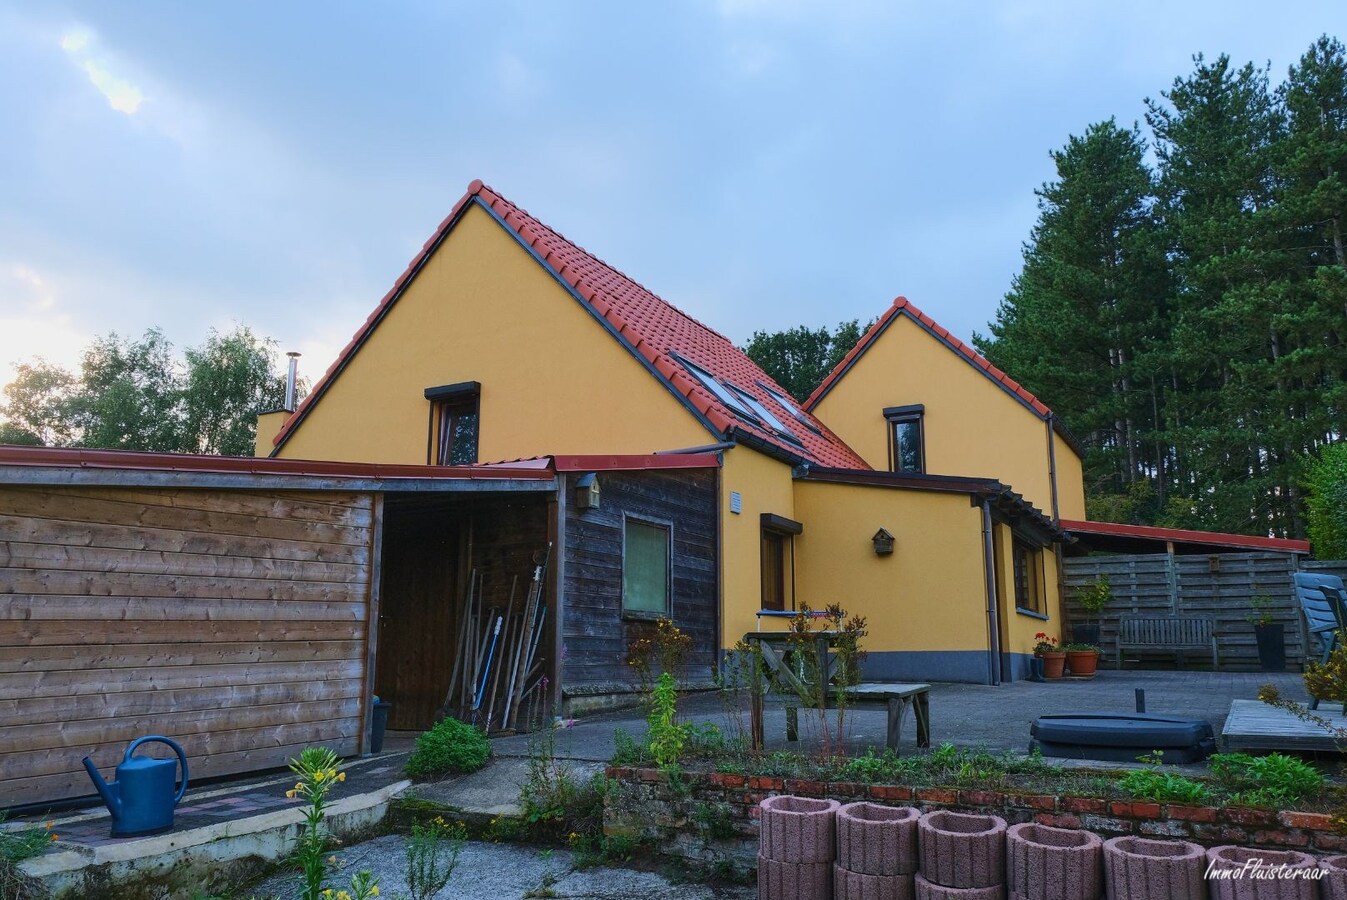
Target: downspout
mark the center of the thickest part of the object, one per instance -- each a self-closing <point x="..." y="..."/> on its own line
<point x="1052" y="467"/>
<point x="1056" y="520"/>
<point x="993" y="611"/>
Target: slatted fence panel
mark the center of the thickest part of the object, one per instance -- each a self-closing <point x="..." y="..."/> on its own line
<point x="232" y="621"/>
<point x="1220" y="586"/>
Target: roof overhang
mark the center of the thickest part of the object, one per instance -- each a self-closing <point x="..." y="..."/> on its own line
<point x="1119" y="538"/>
<point x="1007" y="506"/>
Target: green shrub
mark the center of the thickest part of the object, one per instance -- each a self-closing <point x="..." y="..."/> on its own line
<point x="1272" y="780"/>
<point x="1327" y="502"/>
<point x="451" y="747"/>
<point x="1162" y="787"/>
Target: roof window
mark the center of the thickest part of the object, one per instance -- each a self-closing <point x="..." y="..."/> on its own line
<point x="790" y="406"/>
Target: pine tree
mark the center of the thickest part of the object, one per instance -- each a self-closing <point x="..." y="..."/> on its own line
<point x="1082" y="321"/>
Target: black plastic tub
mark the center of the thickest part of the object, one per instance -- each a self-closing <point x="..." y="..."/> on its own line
<point x="1122" y="737"/>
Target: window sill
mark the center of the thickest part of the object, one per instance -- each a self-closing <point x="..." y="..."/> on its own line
<point x="1033" y="614"/>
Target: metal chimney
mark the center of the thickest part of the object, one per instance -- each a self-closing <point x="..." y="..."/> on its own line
<point x="290" y="379"/>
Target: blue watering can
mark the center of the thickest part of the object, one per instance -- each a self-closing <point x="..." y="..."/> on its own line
<point x="142" y="798"/>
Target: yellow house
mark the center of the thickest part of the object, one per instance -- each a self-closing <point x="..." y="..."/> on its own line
<point x="918" y="487"/>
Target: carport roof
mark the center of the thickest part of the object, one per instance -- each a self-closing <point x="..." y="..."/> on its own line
<point x="53" y="466"/>
<point x="1120" y="538"/>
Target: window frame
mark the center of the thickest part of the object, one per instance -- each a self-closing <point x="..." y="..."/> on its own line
<point x="776" y="528"/>
<point x="1027" y="578"/>
<point x="448" y="404"/>
<point x="896" y="416"/>
<point x="668" y="528"/>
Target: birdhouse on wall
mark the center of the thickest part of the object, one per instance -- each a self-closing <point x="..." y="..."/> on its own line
<point x="883" y="542"/>
<point x="587" y="491"/>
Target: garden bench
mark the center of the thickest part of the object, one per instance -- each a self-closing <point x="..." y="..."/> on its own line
<point x="1177" y="633"/>
<point x="895" y="697"/>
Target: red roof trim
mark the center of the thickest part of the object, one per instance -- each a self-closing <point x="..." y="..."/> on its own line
<point x="1185" y="536"/>
<point x="606" y="463"/>
<point x="54" y="457"/>
<point x="902" y="306"/>
<point x="647" y="325"/>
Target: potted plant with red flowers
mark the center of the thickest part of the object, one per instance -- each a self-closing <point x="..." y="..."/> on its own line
<point x="1054" y="660"/>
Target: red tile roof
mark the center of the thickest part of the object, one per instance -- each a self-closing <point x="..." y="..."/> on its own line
<point x="651" y="328"/>
<point x="903" y="306"/>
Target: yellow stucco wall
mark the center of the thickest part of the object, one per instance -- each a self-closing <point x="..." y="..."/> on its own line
<point x="482" y="309"/>
<point x="764" y="486"/>
<point x="972" y="426"/>
<point x="929" y="594"/>
<point x="1070" y="481"/>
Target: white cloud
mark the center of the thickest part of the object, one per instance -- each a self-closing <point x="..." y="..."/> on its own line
<point x="32" y="325"/>
<point x="120" y="93"/>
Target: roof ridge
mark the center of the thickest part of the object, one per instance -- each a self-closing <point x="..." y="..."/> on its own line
<point x="601" y="261"/>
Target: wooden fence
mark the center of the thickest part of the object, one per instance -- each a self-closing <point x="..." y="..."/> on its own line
<point x="1220" y="586"/>
<point x="234" y="621"/>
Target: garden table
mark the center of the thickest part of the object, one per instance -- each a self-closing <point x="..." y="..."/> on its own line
<point x="778" y="655"/>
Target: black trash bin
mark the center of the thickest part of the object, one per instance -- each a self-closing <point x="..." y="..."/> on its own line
<point x="376" y="737"/>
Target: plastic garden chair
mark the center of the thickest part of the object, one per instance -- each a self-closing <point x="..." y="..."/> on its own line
<point x="1321" y="602"/>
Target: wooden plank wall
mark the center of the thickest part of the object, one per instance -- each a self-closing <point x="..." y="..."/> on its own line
<point x="1220" y="586"/>
<point x="233" y="621"/>
<point x="596" y="633"/>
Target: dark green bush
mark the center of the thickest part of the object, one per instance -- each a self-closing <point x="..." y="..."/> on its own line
<point x="451" y="747"/>
<point x="1273" y="780"/>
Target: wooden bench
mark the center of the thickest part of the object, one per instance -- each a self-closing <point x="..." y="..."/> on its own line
<point x="895" y="697"/>
<point x="1177" y="633"/>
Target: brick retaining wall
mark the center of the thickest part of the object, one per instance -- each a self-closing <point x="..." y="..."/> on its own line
<point x="712" y="817"/>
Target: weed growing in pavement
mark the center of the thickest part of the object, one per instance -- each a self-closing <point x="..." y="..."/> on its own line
<point x="432" y="855"/>
<point x="316" y="769"/>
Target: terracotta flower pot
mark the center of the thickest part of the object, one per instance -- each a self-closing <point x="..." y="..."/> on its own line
<point x="1054" y="663"/>
<point x="1082" y="662"/>
<point x="1045" y="863"/>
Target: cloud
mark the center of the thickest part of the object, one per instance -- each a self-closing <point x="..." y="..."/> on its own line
<point x="31" y="326"/>
<point x="120" y="93"/>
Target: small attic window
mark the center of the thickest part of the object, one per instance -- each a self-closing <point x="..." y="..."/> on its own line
<point x="790" y="406"/>
<point x="723" y="393"/>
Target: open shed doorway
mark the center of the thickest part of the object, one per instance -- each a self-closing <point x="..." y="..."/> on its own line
<point x="454" y="567"/>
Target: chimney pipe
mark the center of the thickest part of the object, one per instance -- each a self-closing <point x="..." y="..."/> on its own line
<point x="291" y="378"/>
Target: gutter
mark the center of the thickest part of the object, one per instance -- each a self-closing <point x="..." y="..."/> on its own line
<point x="993" y="611"/>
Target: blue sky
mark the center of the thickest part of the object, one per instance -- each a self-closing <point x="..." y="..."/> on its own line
<point x="759" y="164"/>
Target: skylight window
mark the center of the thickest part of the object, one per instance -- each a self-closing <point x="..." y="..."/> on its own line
<point x="724" y="394"/>
<point x="762" y="412"/>
<point x="789" y="406"/>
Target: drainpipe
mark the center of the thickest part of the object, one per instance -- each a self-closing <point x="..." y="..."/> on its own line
<point x="1052" y="468"/>
<point x="993" y="614"/>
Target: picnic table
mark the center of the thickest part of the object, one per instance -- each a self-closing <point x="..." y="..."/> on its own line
<point x="779" y="651"/>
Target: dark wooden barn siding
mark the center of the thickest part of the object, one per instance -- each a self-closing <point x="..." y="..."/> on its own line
<point x="233" y="621"/>
<point x="595" y="633"/>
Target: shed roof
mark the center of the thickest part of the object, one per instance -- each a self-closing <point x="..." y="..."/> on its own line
<point x="1115" y="536"/>
<point x="668" y="342"/>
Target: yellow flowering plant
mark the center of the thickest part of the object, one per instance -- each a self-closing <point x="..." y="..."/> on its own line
<point x="317" y="773"/>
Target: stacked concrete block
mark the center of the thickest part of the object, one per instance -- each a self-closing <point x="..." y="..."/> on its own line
<point x="1333" y="886"/>
<point x="962" y="856"/>
<point x="876" y="852"/>
<point x="1044" y="863"/>
<point x="1140" y="867"/>
<point x="796" y="849"/>
<point x="1261" y="874"/>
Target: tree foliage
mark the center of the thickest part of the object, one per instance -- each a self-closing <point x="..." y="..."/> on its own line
<point x="1327" y="503"/>
<point x="1187" y="319"/>
<point x="136" y="394"/>
<point x="800" y="358"/>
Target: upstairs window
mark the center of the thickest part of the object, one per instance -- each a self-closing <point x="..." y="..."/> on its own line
<point x="454" y="419"/>
<point x="907" y="444"/>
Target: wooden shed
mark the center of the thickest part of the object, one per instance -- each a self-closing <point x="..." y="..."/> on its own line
<point x="251" y="607"/>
